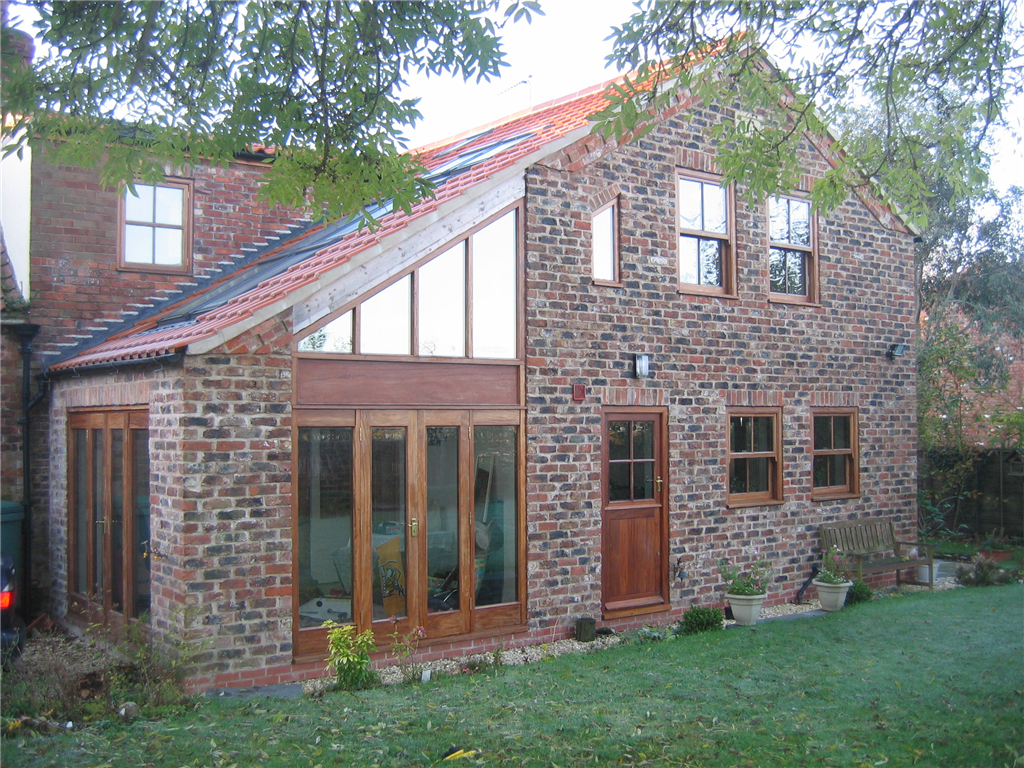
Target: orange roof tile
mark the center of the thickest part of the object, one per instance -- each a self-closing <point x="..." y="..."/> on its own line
<point x="500" y="145"/>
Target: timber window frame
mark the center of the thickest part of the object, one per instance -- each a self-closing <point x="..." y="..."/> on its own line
<point x="605" y="255"/>
<point x="835" y="454"/>
<point x="155" y="227"/>
<point x="792" y="250"/>
<point x="754" y="463"/>
<point x="705" y="234"/>
<point x="483" y="304"/>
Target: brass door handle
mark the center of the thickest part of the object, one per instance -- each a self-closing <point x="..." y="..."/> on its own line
<point x="658" y="484"/>
<point x="414" y="527"/>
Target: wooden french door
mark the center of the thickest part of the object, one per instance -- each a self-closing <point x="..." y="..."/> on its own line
<point x="108" y="531"/>
<point x="635" y="522"/>
<point x="408" y="518"/>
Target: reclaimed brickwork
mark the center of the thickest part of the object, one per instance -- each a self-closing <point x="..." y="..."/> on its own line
<point x="221" y="434"/>
<point x="220" y="493"/>
<point x="77" y="288"/>
<point x="708" y="353"/>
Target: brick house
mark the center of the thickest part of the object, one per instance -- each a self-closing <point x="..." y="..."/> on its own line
<point x="565" y="387"/>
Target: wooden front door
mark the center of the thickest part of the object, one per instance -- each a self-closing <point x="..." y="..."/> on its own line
<point x="635" y="524"/>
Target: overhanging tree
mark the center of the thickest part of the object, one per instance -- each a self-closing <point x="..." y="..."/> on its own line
<point x="136" y="86"/>
<point x="831" y="54"/>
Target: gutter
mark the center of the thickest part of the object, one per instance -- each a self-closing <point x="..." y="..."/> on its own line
<point x="115" y="365"/>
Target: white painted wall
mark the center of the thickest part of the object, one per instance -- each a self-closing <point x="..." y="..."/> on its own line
<point x="15" y="213"/>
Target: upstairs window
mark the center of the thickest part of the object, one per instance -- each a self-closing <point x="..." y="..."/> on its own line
<point x="462" y="302"/>
<point x="792" y="260"/>
<point x="706" y="252"/>
<point x="605" y="245"/>
<point x="156" y="227"/>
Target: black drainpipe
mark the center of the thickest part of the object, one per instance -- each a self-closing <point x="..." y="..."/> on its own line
<point x="26" y="332"/>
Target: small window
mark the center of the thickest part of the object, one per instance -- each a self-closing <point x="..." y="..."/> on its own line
<point x="755" y="456"/>
<point x="156" y="227"/>
<point x="706" y="254"/>
<point x="835" y="457"/>
<point x="792" y="261"/>
<point x="605" y="250"/>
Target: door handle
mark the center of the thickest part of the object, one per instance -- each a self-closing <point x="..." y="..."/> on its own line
<point x="657" y="483"/>
<point x="414" y="527"/>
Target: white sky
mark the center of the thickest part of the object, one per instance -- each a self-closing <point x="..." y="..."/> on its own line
<point x="563" y="52"/>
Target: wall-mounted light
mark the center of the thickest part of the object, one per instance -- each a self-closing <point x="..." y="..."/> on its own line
<point x="642" y="366"/>
<point x="897" y="350"/>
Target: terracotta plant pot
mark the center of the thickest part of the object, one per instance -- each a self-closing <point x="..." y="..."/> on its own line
<point x="746" y="609"/>
<point x="832" y="596"/>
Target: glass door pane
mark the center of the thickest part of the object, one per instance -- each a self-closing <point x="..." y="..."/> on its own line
<point x="444" y="576"/>
<point x="325" y="542"/>
<point x="99" y="524"/>
<point x="140" y="506"/>
<point x="80" y="548"/>
<point x="388" y="521"/>
<point x="494" y="519"/>
<point x="117" y="519"/>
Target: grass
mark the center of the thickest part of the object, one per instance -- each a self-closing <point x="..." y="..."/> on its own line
<point x="928" y="679"/>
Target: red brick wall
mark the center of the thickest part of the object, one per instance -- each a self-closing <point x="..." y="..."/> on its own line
<point x="10" y="412"/>
<point x="220" y="423"/>
<point x="707" y="354"/>
<point x="76" y="286"/>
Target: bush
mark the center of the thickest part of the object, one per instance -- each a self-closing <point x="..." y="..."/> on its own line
<point x="700" y="618"/>
<point x="982" y="572"/>
<point x="348" y="654"/>
<point x="859" y="593"/>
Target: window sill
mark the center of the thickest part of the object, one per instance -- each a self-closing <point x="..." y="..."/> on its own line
<point x="742" y="504"/>
<point x="824" y="497"/>
<point x="800" y="301"/>
<point x="606" y="283"/>
<point x="697" y="290"/>
<point x="160" y="269"/>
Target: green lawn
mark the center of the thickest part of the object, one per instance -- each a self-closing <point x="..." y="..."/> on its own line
<point x="930" y="679"/>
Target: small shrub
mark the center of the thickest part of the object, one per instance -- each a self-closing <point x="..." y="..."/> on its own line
<point x="348" y="654"/>
<point x="982" y="572"/>
<point x="649" y="635"/>
<point x="150" y="674"/>
<point x="700" y="618"/>
<point x="859" y="593"/>
<point x="403" y="648"/>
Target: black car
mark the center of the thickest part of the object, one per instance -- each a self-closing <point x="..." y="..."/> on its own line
<point x="12" y="628"/>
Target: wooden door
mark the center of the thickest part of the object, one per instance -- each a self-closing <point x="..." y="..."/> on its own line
<point x="387" y="521"/>
<point x="108" y="487"/>
<point x="635" y="530"/>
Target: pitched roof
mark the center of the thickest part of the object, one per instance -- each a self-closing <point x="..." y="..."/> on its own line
<point x="457" y="165"/>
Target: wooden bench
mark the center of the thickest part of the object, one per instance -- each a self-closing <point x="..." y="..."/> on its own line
<point x="872" y="544"/>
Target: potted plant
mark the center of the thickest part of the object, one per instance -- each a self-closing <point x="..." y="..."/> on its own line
<point x="995" y="548"/>
<point x="832" y="581"/>
<point x="746" y="592"/>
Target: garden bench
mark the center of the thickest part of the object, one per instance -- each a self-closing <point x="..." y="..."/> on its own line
<point x="872" y="545"/>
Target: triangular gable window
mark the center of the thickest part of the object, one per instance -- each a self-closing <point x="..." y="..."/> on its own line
<point x="460" y="302"/>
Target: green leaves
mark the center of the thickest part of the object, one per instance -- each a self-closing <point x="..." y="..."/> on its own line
<point x="829" y="56"/>
<point x="171" y="81"/>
